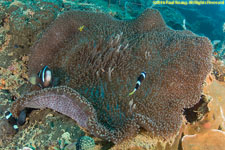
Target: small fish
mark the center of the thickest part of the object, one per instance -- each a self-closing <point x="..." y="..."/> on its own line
<point x="184" y="24"/>
<point x="11" y="120"/>
<point x="139" y="80"/>
<point x="81" y="28"/>
<point x="45" y="74"/>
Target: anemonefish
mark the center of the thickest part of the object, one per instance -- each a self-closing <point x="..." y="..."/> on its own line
<point x="15" y="122"/>
<point x="11" y="120"/>
<point x="45" y="74"/>
<point x="139" y="80"/>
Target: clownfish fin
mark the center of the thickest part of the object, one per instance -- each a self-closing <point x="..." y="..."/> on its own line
<point x="131" y="93"/>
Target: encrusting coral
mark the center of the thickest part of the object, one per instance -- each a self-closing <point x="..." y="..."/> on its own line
<point x="97" y="67"/>
<point x="85" y="143"/>
<point x="208" y="133"/>
<point x="213" y="140"/>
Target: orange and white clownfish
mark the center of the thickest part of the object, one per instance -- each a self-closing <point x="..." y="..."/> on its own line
<point x="139" y="80"/>
<point x="45" y="75"/>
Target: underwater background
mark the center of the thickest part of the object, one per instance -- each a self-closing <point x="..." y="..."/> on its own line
<point x="22" y="24"/>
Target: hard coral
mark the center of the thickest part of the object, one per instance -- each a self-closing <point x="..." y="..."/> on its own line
<point x="101" y="64"/>
<point x="85" y="143"/>
<point x="212" y="126"/>
<point x="213" y="140"/>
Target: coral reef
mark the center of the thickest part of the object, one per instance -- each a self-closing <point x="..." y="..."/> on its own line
<point x="101" y="64"/>
<point x="22" y="23"/>
<point x="216" y="106"/>
<point x="144" y="142"/>
<point x="19" y="21"/>
<point x="213" y="140"/>
<point x="85" y="143"/>
<point x="219" y="69"/>
<point x="14" y="76"/>
<point x="6" y="131"/>
<point x="44" y="129"/>
<point x="219" y="49"/>
<point x="198" y="111"/>
<point x="211" y="127"/>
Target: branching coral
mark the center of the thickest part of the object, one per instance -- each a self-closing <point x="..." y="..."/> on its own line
<point x="101" y="64"/>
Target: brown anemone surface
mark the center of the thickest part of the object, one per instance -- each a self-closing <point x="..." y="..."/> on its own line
<point x="96" y="60"/>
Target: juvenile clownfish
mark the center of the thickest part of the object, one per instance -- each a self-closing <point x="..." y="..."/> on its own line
<point x="139" y="80"/>
<point x="45" y="74"/>
<point x="11" y="120"/>
<point x="81" y="28"/>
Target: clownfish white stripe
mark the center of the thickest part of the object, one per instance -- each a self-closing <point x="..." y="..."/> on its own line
<point x="15" y="127"/>
<point x="143" y="74"/>
<point x="138" y="82"/>
<point x="8" y="116"/>
<point x="11" y="120"/>
<point x="48" y="75"/>
<point x="43" y="74"/>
